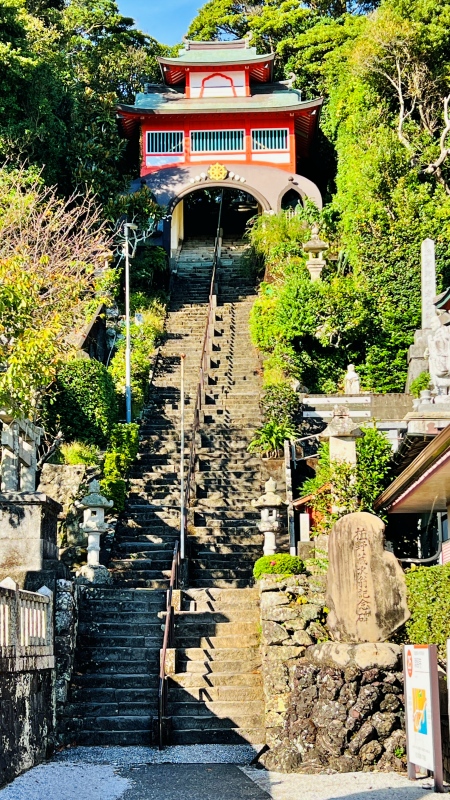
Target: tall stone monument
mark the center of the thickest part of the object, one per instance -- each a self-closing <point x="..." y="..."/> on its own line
<point x="418" y="355"/>
<point x="366" y="589"/>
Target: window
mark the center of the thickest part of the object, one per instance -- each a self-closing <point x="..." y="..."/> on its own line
<point x="217" y="141"/>
<point x="165" y="141"/>
<point x="270" y="139"/>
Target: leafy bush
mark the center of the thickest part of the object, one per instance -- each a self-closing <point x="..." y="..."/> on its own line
<point x="278" y="564"/>
<point x="84" y="403"/>
<point x="79" y="453"/>
<point x="114" y="485"/>
<point x="280" y="403"/>
<point x="123" y="448"/>
<point x="148" y="264"/>
<point x="269" y="439"/>
<point x="143" y="341"/>
<point x="428" y="591"/>
<point x="420" y="383"/>
<point x="349" y="488"/>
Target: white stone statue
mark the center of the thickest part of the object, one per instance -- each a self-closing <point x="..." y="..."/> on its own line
<point x="351" y="381"/>
<point x="439" y="362"/>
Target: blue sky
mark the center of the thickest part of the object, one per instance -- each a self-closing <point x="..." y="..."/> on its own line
<point x="166" y="20"/>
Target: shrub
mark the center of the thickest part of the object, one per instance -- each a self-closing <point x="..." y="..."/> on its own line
<point x="123" y="448"/>
<point x="84" y="403"/>
<point x="420" y="383"/>
<point x="114" y="485"/>
<point x="269" y="439"/>
<point x="143" y="340"/>
<point x="278" y="564"/>
<point x="280" y="403"/>
<point x="428" y="591"/>
<point x="79" y="453"/>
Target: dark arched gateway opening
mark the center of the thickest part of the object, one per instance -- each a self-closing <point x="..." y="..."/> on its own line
<point x="196" y="214"/>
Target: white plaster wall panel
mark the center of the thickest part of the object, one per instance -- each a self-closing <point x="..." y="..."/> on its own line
<point x="162" y="161"/>
<point x="217" y="84"/>
<point x="216" y="156"/>
<point x="273" y="158"/>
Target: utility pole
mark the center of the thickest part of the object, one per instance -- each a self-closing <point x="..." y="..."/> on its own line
<point x="127" y="227"/>
<point x="182" y="499"/>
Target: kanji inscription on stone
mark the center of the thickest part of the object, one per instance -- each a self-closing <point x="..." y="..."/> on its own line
<point x="366" y="590"/>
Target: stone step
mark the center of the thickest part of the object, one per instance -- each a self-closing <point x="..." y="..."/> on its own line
<point x="118" y="723"/>
<point x="113" y="709"/>
<point x="189" y="680"/>
<point x="220" y="709"/>
<point x="119" y="669"/>
<point x="108" y="738"/>
<point x="204" y="723"/>
<point x="233" y="736"/>
<point x="127" y="681"/>
<point x="206" y="668"/>
<point x="190" y="625"/>
<point x="219" y="642"/>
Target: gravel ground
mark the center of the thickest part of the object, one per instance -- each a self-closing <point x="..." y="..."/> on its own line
<point x="350" y="785"/>
<point x="131" y="756"/>
<point x="125" y="773"/>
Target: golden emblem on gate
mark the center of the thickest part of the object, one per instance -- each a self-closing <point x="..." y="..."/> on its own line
<point x="217" y="172"/>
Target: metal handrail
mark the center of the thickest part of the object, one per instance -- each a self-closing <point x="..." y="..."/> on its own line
<point x="167" y="643"/>
<point x="212" y="305"/>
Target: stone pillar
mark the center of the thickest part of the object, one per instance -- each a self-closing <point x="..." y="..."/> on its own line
<point x="28" y="547"/>
<point x="19" y="439"/>
<point x="428" y="283"/>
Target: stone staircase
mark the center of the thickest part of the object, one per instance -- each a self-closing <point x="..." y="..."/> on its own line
<point x="215" y="696"/>
<point x="216" y="692"/>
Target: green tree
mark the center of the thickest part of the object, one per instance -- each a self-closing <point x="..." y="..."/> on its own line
<point x="49" y="250"/>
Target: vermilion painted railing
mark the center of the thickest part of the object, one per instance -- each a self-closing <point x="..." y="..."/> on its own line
<point x="168" y="641"/>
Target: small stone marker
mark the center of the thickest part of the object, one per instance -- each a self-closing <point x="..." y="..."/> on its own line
<point x="366" y="589"/>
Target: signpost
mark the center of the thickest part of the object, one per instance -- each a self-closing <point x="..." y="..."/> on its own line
<point x="423" y="718"/>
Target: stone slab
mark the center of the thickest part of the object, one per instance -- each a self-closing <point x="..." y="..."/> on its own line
<point x="366" y="589"/>
<point x="384" y="655"/>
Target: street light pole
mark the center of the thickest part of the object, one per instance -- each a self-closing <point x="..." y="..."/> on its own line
<point x="127" y="227"/>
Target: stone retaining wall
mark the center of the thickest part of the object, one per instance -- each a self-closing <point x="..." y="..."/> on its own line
<point x="66" y="624"/>
<point x="329" y="706"/>
<point x="26" y="720"/>
<point x="345" y="712"/>
<point x="291" y="619"/>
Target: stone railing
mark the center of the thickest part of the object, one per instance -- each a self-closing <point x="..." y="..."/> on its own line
<point x="26" y="628"/>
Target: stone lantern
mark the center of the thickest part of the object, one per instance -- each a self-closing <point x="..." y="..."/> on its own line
<point x="94" y="505"/>
<point x="270" y="505"/>
<point x="315" y="249"/>
<point x="342" y="433"/>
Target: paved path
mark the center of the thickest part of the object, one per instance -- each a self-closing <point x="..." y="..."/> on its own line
<point x="206" y="772"/>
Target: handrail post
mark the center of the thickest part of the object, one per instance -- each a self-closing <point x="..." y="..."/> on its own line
<point x="182" y="503"/>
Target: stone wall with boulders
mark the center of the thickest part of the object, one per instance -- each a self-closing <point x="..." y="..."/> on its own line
<point x="345" y="712"/>
<point x="66" y="624"/>
<point x="329" y="706"/>
<point x="26" y="720"/>
<point x="292" y="617"/>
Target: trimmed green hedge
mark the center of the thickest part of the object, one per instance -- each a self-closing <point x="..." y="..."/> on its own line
<point x="429" y="602"/>
<point x="84" y="404"/>
<point x="278" y="564"/>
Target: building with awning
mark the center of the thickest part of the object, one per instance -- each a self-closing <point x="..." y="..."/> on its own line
<point x="417" y="502"/>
